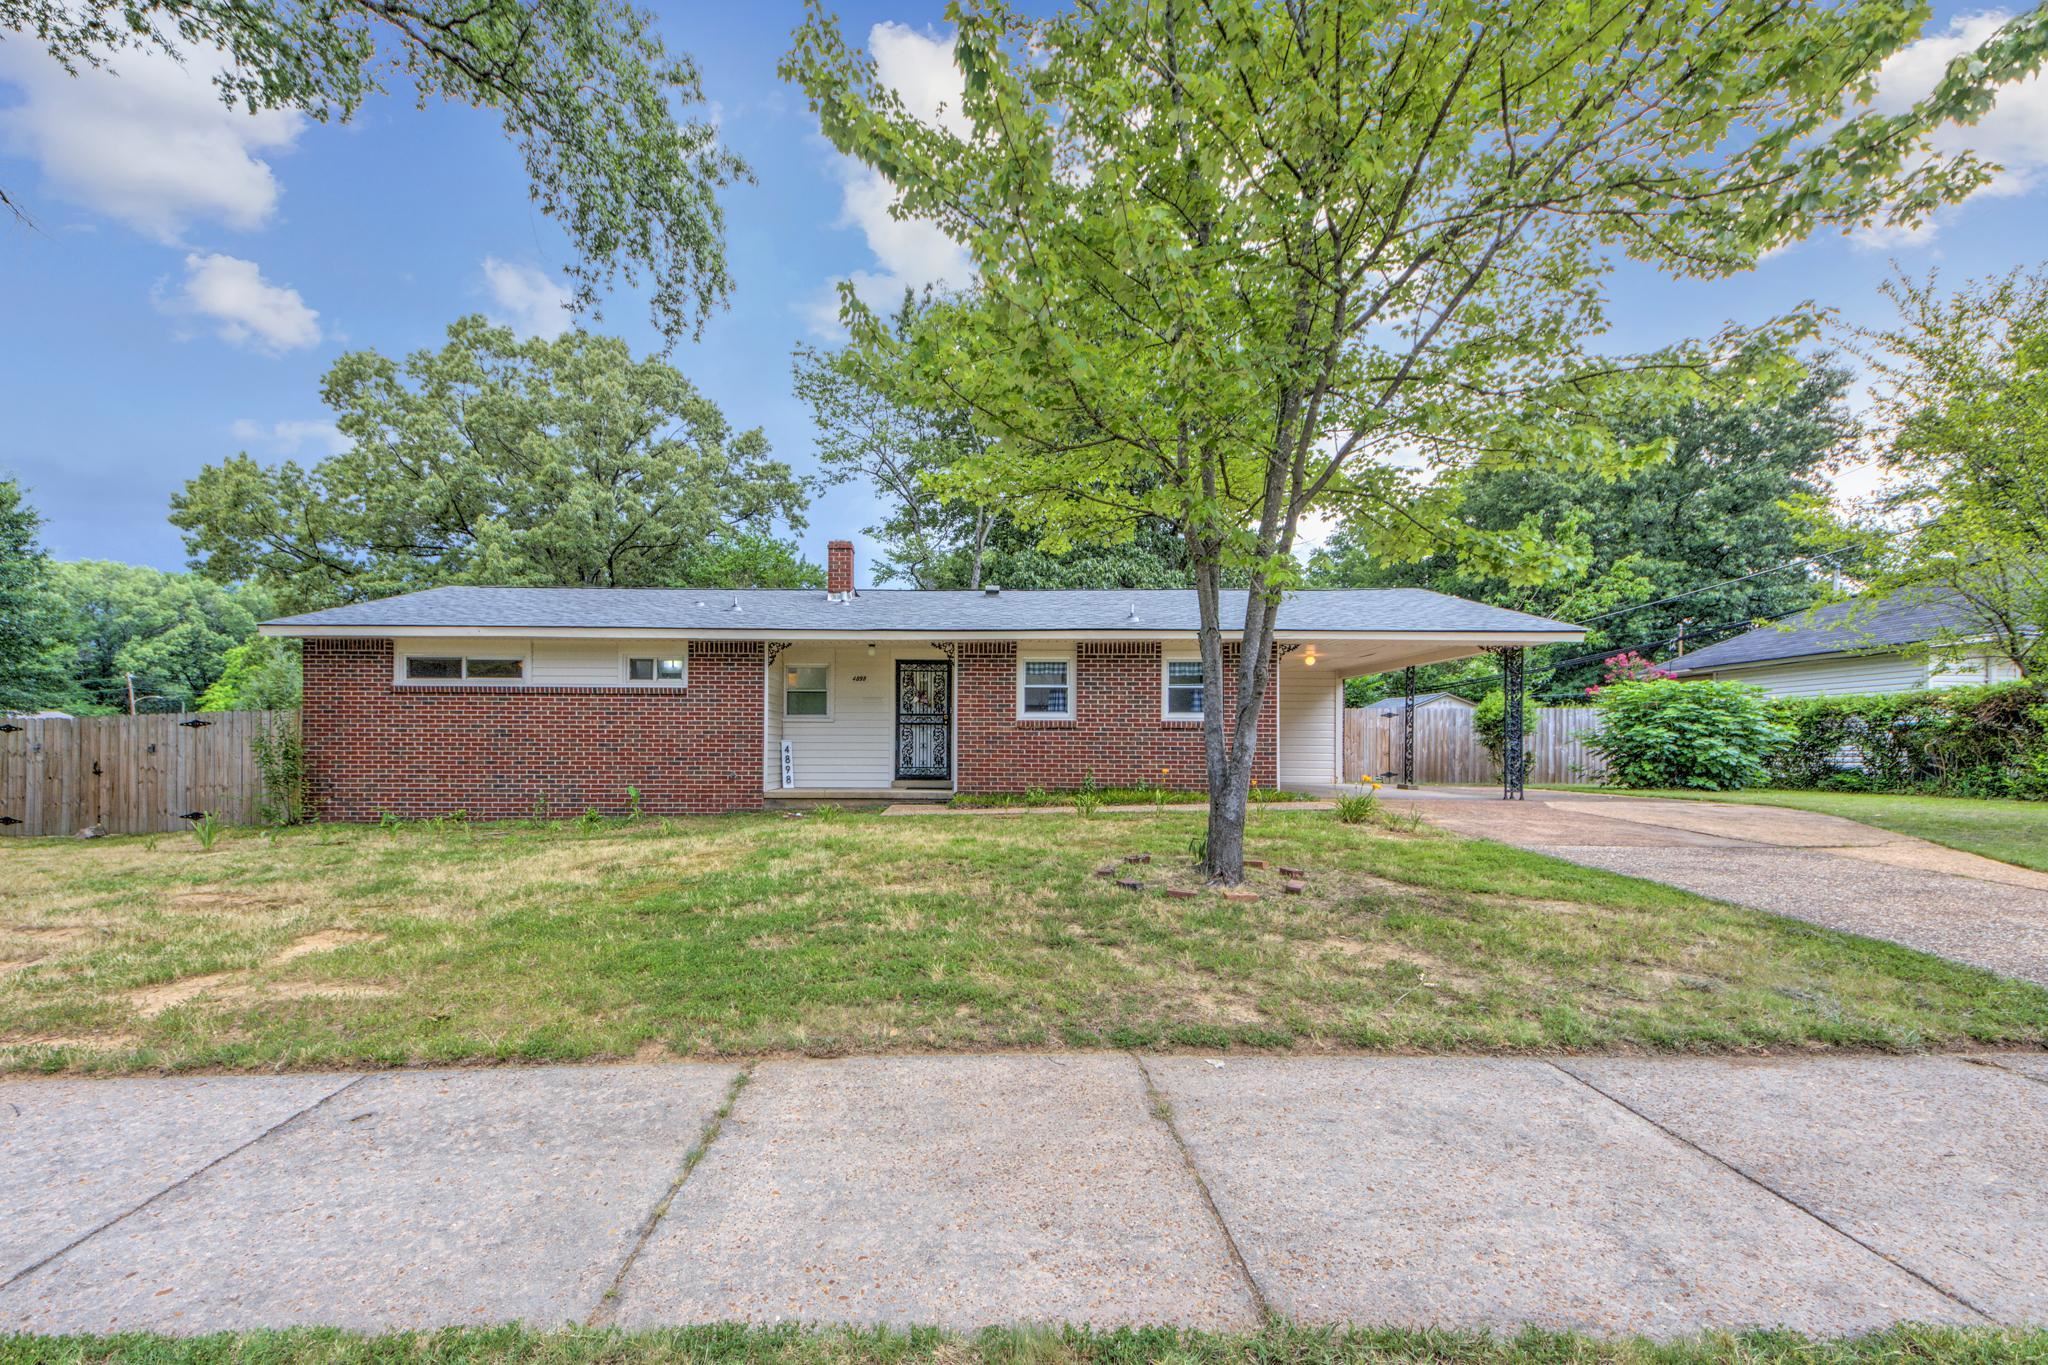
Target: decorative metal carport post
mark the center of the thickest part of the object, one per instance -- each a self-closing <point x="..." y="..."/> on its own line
<point x="1408" y="729"/>
<point x="1512" y="755"/>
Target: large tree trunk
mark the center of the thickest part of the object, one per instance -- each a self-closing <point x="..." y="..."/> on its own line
<point x="1231" y="749"/>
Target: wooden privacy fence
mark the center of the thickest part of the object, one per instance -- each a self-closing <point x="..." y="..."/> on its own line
<point x="129" y="774"/>
<point x="1448" y="751"/>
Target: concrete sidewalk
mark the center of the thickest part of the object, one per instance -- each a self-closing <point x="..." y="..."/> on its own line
<point x="1618" y="1196"/>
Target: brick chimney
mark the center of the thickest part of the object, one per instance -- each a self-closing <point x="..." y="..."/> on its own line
<point x="839" y="568"/>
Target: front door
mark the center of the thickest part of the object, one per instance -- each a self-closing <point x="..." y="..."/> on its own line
<point x="924" y="719"/>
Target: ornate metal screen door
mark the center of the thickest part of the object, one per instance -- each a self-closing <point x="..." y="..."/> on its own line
<point x="924" y="719"/>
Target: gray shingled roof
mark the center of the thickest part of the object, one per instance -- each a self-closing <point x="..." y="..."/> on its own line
<point x="884" y="611"/>
<point x="1853" y="627"/>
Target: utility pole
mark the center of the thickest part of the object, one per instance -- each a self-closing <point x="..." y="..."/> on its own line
<point x="1683" y="622"/>
<point x="131" y="693"/>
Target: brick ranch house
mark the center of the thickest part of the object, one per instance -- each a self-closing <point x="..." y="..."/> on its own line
<point x="505" y="702"/>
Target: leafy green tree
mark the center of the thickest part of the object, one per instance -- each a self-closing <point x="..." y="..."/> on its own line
<point x="30" y="677"/>
<point x="171" y="631"/>
<point x="1236" y="260"/>
<point x="872" y="425"/>
<point x="1701" y="543"/>
<point x="584" y="88"/>
<point x="260" y="674"/>
<point x="1962" y="426"/>
<point x="884" y="425"/>
<point x="496" y="460"/>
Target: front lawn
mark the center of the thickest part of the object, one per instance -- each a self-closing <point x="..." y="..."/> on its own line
<point x="340" y="946"/>
<point x="1278" y="1344"/>
<point x="2010" y="831"/>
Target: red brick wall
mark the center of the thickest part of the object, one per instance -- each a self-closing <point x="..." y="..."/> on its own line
<point x="499" y="752"/>
<point x="1116" y="735"/>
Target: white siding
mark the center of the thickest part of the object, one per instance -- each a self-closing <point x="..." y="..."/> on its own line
<point x="1970" y="670"/>
<point x="1843" y="675"/>
<point x="855" y="745"/>
<point x="549" y="663"/>
<point x="1311" y="711"/>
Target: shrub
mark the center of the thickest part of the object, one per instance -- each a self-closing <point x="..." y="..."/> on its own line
<point x="1358" y="807"/>
<point x="1714" y="736"/>
<point x="281" y="764"/>
<point x="1490" y="723"/>
<point x="1959" y="741"/>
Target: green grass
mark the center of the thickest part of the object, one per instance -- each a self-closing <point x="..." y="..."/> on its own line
<point x="1038" y="797"/>
<point x="751" y="935"/>
<point x="1278" y="1344"/>
<point x="2010" y="831"/>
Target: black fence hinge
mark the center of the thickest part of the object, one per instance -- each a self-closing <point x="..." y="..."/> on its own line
<point x="194" y="724"/>
<point x="11" y="728"/>
<point x="8" y="820"/>
<point x="193" y="815"/>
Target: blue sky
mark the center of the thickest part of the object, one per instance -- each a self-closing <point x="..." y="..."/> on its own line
<point x="193" y="272"/>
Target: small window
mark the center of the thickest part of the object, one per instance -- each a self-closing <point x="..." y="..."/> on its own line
<point x="1184" y="688"/>
<point x="436" y="669"/>
<point x="496" y="670"/>
<point x="655" y="670"/>
<point x="1047" y="689"/>
<point x="804" y="689"/>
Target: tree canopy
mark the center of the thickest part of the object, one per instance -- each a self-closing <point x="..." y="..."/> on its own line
<point x="29" y="624"/>
<point x="1961" y="426"/>
<point x="497" y="460"/>
<point x="1237" y="262"/>
<point x="1701" y="543"/>
<point x="172" y="631"/>
<point x="585" y="89"/>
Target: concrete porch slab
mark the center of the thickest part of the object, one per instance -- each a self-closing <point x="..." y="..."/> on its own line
<point x="1491" y="1193"/>
<point x="75" y="1154"/>
<point x="960" y="1191"/>
<point x="1934" y="1162"/>
<point x="412" y="1200"/>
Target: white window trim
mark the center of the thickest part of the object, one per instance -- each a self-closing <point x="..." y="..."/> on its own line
<point x="1046" y="717"/>
<point x="523" y="652"/>
<point x="630" y="653"/>
<point x="782" y="690"/>
<point x="1171" y="717"/>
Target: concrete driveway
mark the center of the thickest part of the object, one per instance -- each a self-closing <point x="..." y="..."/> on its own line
<point x="1616" y="1196"/>
<point x="1814" y="867"/>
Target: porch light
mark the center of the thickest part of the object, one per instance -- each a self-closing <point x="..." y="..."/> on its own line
<point x="1308" y="660"/>
<point x="871" y="649"/>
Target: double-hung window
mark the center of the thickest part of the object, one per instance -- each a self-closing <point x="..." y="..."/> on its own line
<point x="1183" y="689"/>
<point x="806" y="690"/>
<point x="1045" y="689"/>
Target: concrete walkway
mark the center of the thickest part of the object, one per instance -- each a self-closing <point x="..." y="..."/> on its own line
<point x="1819" y="868"/>
<point x="1612" y="1195"/>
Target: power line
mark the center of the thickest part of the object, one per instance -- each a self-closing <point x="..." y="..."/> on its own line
<point x="1695" y="592"/>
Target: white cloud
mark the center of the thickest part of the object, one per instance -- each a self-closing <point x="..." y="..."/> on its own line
<point x="290" y="437"/>
<point x="146" y="139"/>
<point x="909" y="252"/>
<point x="529" y="301"/>
<point x="2014" y="134"/>
<point x="246" y="309"/>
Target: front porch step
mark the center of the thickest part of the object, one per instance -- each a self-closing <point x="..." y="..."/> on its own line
<point x="803" y="798"/>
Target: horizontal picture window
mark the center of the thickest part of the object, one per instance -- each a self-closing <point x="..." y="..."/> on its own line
<point x="456" y="668"/>
<point x="657" y="670"/>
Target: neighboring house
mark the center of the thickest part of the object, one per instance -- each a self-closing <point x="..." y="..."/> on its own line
<point x="1443" y="701"/>
<point x="1848" y="648"/>
<point x="511" y="701"/>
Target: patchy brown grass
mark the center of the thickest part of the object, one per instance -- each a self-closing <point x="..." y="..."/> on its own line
<point x="751" y="935"/>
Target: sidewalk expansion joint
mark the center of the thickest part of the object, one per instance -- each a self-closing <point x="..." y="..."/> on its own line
<point x="1830" y="1224"/>
<point x="182" y="1181"/>
<point x="1156" y="1101"/>
<point x="607" y="1309"/>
